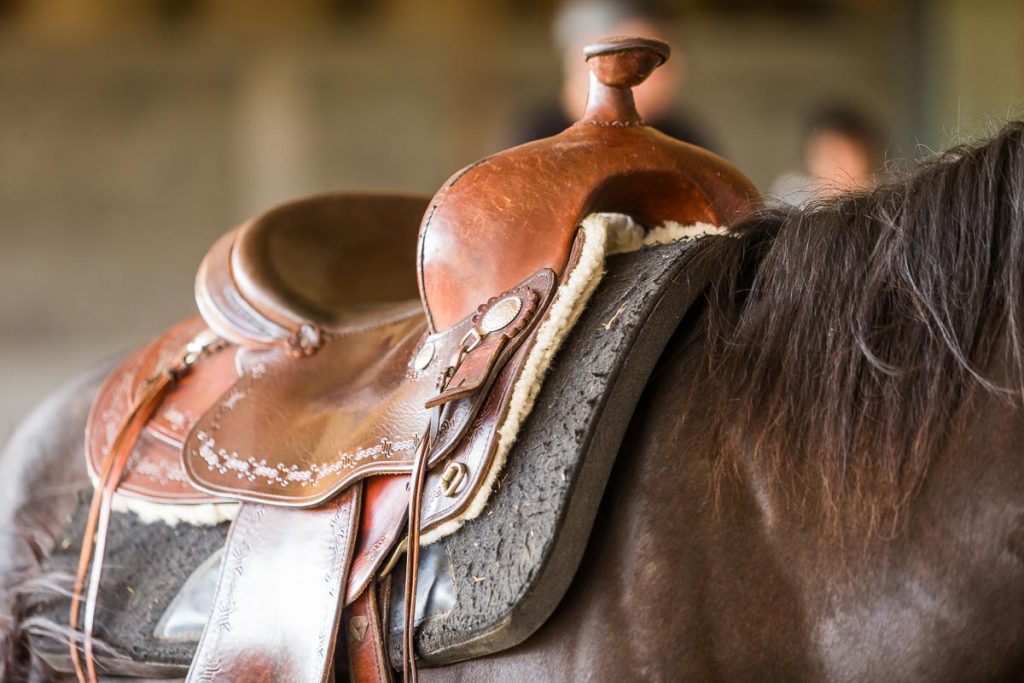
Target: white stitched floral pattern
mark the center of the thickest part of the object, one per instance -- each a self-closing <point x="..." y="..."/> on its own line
<point x="250" y="468"/>
<point x="159" y="471"/>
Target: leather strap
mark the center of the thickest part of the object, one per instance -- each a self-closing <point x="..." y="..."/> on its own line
<point x="276" y="612"/>
<point x="418" y="479"/>
<point x="90" y="560"/>
<point x="111" y="471"/>
<point x="366" y="638"/>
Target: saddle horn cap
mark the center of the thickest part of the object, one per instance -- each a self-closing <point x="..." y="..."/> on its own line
<point x="616" y="66"/>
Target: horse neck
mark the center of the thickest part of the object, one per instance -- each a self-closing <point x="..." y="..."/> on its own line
<point x="739" y="582"/>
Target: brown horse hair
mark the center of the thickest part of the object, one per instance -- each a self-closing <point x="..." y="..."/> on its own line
<point x="846" y="339"/>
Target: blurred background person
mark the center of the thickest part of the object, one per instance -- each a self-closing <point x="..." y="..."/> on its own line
<point x="843" y="150"/>
<point x="578" y="23"/>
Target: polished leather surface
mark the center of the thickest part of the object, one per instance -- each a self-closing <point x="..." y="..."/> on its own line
<point x="475" y="453"/>
<point x="364" y="633"/>
<point x="385" y="501"/>
<point x="322" y="259"/>
<point x="279" y="598"/>
<point x="155" y="471"/>
<point x="510" y="214"/>
<point x="318" y="261"/>
<point x="295" y="432"/>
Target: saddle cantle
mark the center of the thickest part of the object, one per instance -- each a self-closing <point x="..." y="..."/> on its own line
<point x="312" y="268"/>
<point x="341" y="420"/>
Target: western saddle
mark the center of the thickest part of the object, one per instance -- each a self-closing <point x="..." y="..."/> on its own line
<point x="343" y="412"/>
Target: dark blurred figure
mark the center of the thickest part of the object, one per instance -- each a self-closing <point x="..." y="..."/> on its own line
<point x="842" y="151"/>
<point x="581" y="22"/>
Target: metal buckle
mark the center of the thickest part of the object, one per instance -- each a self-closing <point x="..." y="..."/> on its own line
<point x="477" y="338"/>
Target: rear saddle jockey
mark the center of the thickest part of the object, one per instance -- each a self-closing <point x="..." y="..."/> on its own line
<point x="340" y="421"/>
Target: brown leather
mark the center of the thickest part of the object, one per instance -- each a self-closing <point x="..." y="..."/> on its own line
<point x="276" y="612"/>
<point x="412" y="551"/>
<point x="155" y="473"/>
<point x="365" y="637"/>
<point x="616" y="66"/>
<point x="296" y="432"/>
<point x="476" y="369"/>
<point x="475" y="453"/>
<point x="318" y="262"/>
<point x="385" y="501"/>
<point x="511" y="214"/>
<point x="149" y="397"/>
<point x="294" y="264"/>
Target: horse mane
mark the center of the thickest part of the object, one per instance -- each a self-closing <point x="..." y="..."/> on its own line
<point x="845" y="339"/>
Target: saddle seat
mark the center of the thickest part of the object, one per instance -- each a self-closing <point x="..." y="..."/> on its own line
<point x="257" y="287"/>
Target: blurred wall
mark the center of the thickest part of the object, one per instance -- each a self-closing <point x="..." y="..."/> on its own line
<point x="133" y="133"/>
<point x="975" y="77"/>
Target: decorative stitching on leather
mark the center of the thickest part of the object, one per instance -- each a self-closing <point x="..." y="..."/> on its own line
<point x="250" y="468"/>
<point x="158" y="470"/>
<point x="340" y="533"/>
<point x="208" y="657"/>
<point x="233" y="399"/>
<point x="178" y="419"/>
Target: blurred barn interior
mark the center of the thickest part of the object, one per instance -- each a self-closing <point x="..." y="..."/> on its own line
<point x="134" y="132"/>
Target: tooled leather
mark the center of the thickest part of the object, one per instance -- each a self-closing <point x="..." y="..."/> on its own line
<point x="154" y="471"/>
<point x="476" y="371"/>
<point x="296" y="432"/>
<point x="292" y="432"/>
<point x="193" y="393"/>
<point x="489" y="227"/>
<point x="278" y="602"/>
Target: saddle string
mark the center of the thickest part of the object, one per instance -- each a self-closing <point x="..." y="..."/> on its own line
<point x="417" y="483"/>
<point x="91" y="556"/>
<point x="412" y="553"/>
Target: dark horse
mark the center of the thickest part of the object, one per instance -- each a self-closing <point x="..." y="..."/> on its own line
<point x="824" y="479"/>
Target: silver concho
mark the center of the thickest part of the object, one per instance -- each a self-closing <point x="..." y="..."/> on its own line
<point x="423" y="358"/>
<point x="501" y="314"/>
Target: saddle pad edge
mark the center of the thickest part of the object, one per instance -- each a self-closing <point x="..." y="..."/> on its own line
<point x="552" y="578"/>
<point x="565" y="308"/>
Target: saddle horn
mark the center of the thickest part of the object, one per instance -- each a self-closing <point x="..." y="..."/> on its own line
<point x="517" y="211"/>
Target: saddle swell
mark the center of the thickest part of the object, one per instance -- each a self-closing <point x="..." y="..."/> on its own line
<point x="506" y="216"/>
<point x="342" y="412"/>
